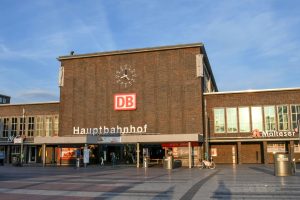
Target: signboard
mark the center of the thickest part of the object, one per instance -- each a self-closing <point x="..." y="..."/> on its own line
<point x="68" y="153"/>
<point x="213" y="152"/>
<point x="269" y="134"/>
<point x="179" y="144"/>
<point x="18" y="140"/>
<point x="105" y="139"/>
<point x="125" y="101"/>
<point x="86" y="155"/>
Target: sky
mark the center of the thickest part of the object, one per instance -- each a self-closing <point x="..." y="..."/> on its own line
<point x="251" y="44"/>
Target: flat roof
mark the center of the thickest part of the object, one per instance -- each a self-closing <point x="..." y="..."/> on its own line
<point x="137" y="50"/>
<point x="251" y="91"/>
<point x="24" y="104"/>
<point x="2" y="95"/>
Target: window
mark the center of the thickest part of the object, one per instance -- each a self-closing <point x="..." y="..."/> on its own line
<point x="295" y="115"/>
<point x="30" y="126"/>
<point x="22" y="126"/>
<point x="1" y="100"/>
<point x="244" y="119"/>
<point x="48" y="126"/>
<point x="269" y="115"/>
<point x="219" y="120"/>
<point x="5" y="127"/>
<point x="256" y="117"/>
<point x="283" y="118"/>
<point x="231" y="119"/>
<point x="14" y="126"/>
<point x="56" y="125"/>
<point x="39" y="126"/>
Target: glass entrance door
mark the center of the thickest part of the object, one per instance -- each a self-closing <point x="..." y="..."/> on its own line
<point x="32" y="154"/>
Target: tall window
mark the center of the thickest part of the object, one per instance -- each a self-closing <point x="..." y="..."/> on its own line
<point x="295" y="109"/>
<point x="30" y="126"/>
<point x="39" y="126"/>
<point x="219" y="120"/>
<point x="14" y="126"/>
<point x="22" y="126"/>
<point x="283" y="118"/>
<point x="231" y="119"/>
<point x="56" y="125"/>
<point x="48" y="126"/>
<point x="5" y="127"/>
<point x="244" y="119"/>
<point x="256" y="116"/>
<point x="269" y="115"/>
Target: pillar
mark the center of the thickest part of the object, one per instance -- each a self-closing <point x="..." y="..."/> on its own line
<point x="25" y="159"/>
<point x="8" y="154"/>
<point x="265" y="150"/>
<point x="138" y="155"/>
<point x="44" y="154"/>
<point x="239" y="152"/>
<point x="190" y="155"/>
<point x="291" y="149"/>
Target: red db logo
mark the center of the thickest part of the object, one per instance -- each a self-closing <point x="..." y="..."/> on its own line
<point x="125" y="101"/>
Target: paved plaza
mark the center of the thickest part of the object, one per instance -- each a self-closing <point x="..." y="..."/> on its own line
<point x="224" y="182"/>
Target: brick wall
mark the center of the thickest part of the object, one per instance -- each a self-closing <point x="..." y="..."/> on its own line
<point x="169" y="97"/>
<point x="30" y="109"/>
<point x="280" y="97"/>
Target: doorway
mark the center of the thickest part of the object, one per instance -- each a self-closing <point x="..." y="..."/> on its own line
<point x="32" y="154"/>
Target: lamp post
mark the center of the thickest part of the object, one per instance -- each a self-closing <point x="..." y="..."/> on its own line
<point x="23" y="131"/>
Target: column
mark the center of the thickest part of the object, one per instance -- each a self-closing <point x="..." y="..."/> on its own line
<point x="190" y="155"/>
<point x="291" y="149"/>
<point x="8" y="154"/>
<point x="239" y="152"/>
<point x="138" y="155"/>
<point x="265" y="149"/>
<point x="44" y="154"/>
<point x="25" y="160"/>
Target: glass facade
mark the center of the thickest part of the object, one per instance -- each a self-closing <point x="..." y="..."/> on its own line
<point x="295" y="115"/>
<point x="270" y="118"/>
<point x="219" y="120"/>
<point x="283" y="118"/>
<point x="244" y="119"/>
<point x="231" y="120"/>
<point x="256" y="117"/>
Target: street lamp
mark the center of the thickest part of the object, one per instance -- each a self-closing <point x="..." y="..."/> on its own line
<point x="22" y="137"/>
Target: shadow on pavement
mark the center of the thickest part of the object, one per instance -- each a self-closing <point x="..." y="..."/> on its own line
<point x="222" y="192"/>
<point x="266" y="171"/>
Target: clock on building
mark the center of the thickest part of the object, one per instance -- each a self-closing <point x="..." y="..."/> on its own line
<point x="125" y="76"/>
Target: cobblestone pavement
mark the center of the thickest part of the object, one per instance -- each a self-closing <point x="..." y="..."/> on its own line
<point x="224" y="182"/>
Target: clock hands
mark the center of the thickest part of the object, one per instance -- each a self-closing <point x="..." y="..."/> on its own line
<point x="125" y="76"/>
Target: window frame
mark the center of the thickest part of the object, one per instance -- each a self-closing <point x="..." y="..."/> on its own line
<point x="224" y="122"/>
<point x="278" y="121"/>
<point x="236" y="121"/>
<point x="249" y="121"/>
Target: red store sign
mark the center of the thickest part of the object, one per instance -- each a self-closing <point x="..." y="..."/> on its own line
<point x="125" y="101"/>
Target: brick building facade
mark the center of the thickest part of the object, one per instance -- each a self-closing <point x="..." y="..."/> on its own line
<point x="148" y="103"/>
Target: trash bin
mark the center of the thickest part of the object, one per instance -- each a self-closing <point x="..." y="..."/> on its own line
<point x="77" y="162"/>
<point x="168" y="162"/>
<point x="282" y="164"/>
<point x="146" y="162"/>
<point x="16" y="161"/>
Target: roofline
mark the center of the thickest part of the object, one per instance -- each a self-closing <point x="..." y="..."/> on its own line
<point x="24" y="104"/>
<point x="252" y="91"/>
<point x="137" y="50"/>
<point x="209" y="67"/>
<point x="4" y="95"/>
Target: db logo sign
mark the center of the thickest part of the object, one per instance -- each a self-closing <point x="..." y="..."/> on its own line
<point x="125" y="101"/>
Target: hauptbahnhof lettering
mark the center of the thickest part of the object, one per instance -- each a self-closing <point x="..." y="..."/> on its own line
<point x="151" y="102"/>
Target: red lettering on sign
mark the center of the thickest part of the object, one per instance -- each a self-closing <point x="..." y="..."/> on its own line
<point x="125" y="101"/>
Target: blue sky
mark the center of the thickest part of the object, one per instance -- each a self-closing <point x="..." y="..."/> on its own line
<point x="251" y="44"/>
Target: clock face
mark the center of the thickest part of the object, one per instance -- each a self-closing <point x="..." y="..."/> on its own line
<point x="125" y="76"/>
